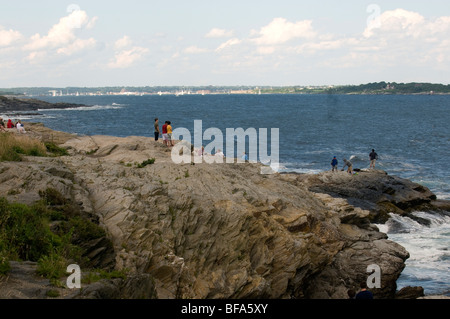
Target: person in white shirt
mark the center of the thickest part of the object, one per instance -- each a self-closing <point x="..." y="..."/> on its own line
<point x="20" y="127"/>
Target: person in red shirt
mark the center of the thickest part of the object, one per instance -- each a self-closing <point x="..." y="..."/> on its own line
<point x="164" y="133"/>
<point x="10" y="124"/>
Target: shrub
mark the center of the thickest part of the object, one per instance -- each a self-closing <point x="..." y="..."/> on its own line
<point x="5" y="267"/>
<point x="52" y="197"/>
<point x="25" y="234"/>
<point x="52" y="266"/>
<point x="147" y="162"/>
<point x="55" y="149"/>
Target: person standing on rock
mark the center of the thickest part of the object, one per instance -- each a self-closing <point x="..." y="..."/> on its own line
<point x="157" y="132"/>
<point x="169" y="134"/>
<point x="334" y="164"/>
<point x="349" y="166"/>
<point x="164" y="134"/>
<point x="373" y="158"/>
<point x="364" y="293"/>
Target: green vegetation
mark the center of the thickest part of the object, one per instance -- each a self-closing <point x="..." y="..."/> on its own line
<point x="55" y="149"/>
<point x="13" y="147"/>
<point x="147" y="162"/>
<point x="50" y="232"/>
<point x="92" y="152"/>
<point x="99" y="274"/>
<point x="52" y="293"/>
<point x="370" y="88"/>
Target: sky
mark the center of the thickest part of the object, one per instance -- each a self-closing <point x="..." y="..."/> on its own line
<point x="246" y="42"/>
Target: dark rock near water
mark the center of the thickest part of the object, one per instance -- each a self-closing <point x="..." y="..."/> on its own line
<point x="410" y="293"/>
<point x="379" y="193"/>
<point x="23" y="104"/>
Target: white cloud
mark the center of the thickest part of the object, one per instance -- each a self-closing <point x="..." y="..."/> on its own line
<point x="8" y="37"/>
<point x="228" y="43"/>
<point x="402" y="23"/>
<point x="62" y="33"/>
<point x="36" y="57"/>
<point x="91" y="23"/>
<point x="123" y="42"/>
<point x="127" y="58"/>
<point x="219" y="33"/>
<point x="195" y="50"/>
<point x="265" y="50"/>
<point x="281" y="31"/>
<point x="77" y="46"/>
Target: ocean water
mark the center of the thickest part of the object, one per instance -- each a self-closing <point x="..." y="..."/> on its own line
<point x="410" y="133"/>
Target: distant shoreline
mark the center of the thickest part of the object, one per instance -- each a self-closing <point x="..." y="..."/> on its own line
<point x="378" y="88"/>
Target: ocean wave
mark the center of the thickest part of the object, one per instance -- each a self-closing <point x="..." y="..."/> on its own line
<point x="442" y="195"/>
<point x="87" y="108"/>
<point x="301" y="170"/>
<point x="26" y="116"/>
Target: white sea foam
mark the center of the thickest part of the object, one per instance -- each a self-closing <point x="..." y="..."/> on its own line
<point x="25" y="117"/>
<point x="428" y="247"/>
<point x="86" y="108"/>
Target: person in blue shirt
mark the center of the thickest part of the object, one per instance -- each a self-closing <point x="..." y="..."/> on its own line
<point x="364" y="293"/>
<point x="334" y="164"/>
<point x="245" y="157"/>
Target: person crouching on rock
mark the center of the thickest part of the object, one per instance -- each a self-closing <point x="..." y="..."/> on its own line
<point x="349" y="166"/>
<point x="334" y="164"/>
<point x="20" y="127"/>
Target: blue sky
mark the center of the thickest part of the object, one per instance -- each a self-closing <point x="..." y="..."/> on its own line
<point x="284" y="42"/>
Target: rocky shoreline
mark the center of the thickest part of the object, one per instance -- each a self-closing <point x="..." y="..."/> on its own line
<point x="220" y="231"/>
<point x="14" y="105"/>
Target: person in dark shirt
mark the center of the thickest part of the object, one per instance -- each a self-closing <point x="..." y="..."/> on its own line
<point x="157" y="132"/>
<point x="364" y="293"/>
<point x="373" y="159"/>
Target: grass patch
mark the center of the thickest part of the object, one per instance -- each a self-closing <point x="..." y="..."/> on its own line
<point x="13" y="147"/>
<point x="52" y="293"/>
<point x="100" y="274"/>
<point x="51" y="232"/>
<point x="147" y="162"/>
<point x="92" y="152"/>
<point x="55" y="149"/>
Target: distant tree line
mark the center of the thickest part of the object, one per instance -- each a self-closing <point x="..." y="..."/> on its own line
<point x="391" y="88"/>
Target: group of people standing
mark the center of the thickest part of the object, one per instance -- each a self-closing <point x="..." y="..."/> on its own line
<point x="373" y="157"/>
<point x="18" y="124"/>
<point x="166" y="133"/>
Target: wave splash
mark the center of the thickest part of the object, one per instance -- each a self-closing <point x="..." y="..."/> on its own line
<point x="429" y="248"/>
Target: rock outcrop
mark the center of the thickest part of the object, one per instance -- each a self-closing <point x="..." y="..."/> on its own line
<point x="376" y="192"/>
<point x="214" y="230"/>
<point x="24" y="104"/>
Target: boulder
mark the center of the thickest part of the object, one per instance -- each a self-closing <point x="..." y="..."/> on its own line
<point x="410" y="293"/>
